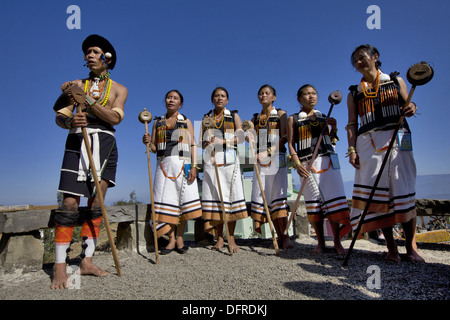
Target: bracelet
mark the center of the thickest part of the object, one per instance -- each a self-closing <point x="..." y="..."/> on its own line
<point x="350" y="151"/>
<point x="68" y="123"/>
<point x="90" y="101"/>
<point x="297" y="163"/>
<point x="350" y="124"/>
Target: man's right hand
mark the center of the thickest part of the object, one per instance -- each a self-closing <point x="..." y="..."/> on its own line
<point x="79" y="120"/>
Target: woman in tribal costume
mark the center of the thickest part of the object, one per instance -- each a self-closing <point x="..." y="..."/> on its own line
<point x="220" y="143"/>
<point x="270" y="130"/>
<point x="379" y="101"/>
<point x="175" y="188"/>
<point x="324" y="190"/>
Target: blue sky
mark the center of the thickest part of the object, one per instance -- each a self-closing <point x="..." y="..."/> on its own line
<point x="193" y="46"/>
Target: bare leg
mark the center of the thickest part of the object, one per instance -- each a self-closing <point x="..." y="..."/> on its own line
<point x="392" y="254"/>
<point x="411" y="246"/>
<point x="171" y="234"/>
<point x="318" y="228"/>
<point x="220" y="241"/>
<point x="231" y="242"/>
<point x="180" y="233"/>
<point x="284" y="242"/>
<point x="337" y="241"/>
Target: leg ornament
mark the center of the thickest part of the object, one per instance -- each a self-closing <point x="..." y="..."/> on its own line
<point x="90" y="232"/>
<point x="65" y="221"/>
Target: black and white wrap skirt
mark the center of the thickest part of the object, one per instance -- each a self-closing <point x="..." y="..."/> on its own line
<point x="76" y="178"/>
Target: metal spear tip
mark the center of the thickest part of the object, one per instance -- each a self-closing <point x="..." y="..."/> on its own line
<point x="247" y="125"/>
<point x="145" y="116"/>
<point x="335" y="97"/>
<point x="420" y="74"/>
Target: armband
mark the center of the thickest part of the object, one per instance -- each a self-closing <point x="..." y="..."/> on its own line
<point x="65" y="112"/>
<point x="119" y="112"/>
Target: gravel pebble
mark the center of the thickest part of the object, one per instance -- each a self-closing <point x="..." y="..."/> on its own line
<point x="253" y="273"/>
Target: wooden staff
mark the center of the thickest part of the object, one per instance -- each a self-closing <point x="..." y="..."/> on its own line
<point x="334" y="98"/>
<point x="79" y="97"/>
<point x="248" y="125"/>
<point x="146" y="117"/>
<point x="417" y="75"/>
<point x="208" y="123"/>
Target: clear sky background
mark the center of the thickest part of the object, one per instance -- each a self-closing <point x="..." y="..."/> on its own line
<point x="194" y="46"/>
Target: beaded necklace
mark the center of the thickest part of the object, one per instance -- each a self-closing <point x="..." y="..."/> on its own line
<point x="215" y="119"/>
<point x="103" y="77"/>
<point x="266" y="117"/>
<point x="373" y="94"/>
<point x="106" y="90"/>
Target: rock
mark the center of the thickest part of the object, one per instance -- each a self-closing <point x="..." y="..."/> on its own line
<point x="23" y="251"/>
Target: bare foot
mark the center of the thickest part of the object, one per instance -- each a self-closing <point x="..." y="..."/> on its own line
<point x="287" y="244"/>
<point x="279" y="243"/>
<point x="393" y="257"/>
<point x="59" y="277"/>
<point x="319" y="249"/>
<point x="180" y="242"/>
<point x="340" y="249"/>
<point x="87" y="267"/>
<point x="170" y="245"/>
<point x="219" y="244"/>
<point x="233" y="245"/>
<point x="413" y="256"/>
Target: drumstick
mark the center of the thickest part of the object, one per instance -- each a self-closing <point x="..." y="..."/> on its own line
<point x="145" y="117"/>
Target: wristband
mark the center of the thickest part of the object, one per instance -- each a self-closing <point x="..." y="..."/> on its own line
<point x="68" y="123"/>
<point x="90" y="101"/>
<point x="350" y="151"/>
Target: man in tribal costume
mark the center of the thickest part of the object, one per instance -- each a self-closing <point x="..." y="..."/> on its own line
<point x="104" y="108"/>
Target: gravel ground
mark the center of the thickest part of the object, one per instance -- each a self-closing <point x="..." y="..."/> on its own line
<point x="254" y="273"/>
